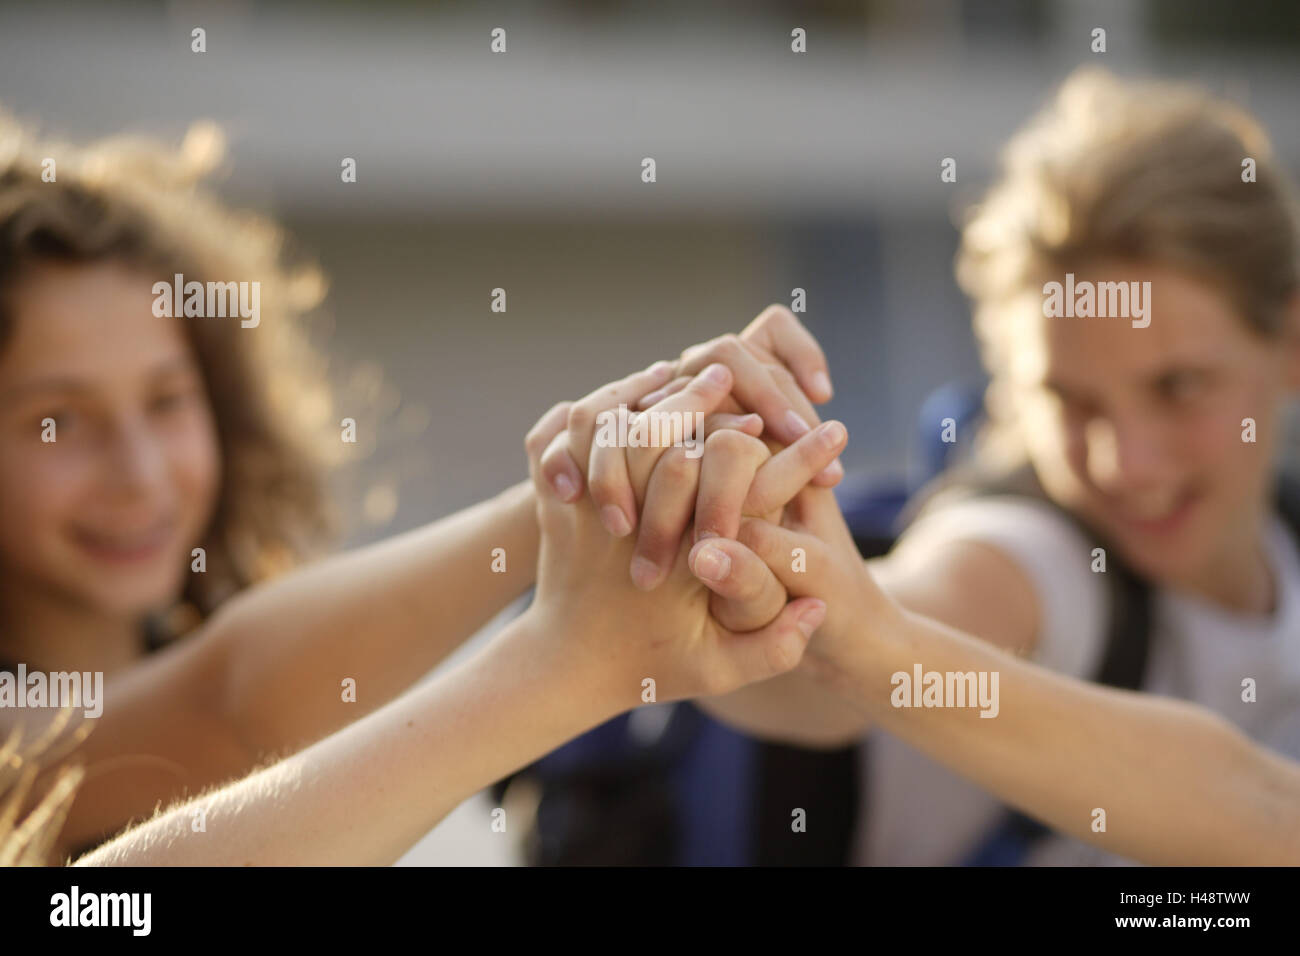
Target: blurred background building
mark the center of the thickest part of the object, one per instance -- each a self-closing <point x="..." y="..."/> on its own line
<point x="522" y="170"/>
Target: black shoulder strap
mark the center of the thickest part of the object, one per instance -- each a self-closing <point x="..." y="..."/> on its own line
<point x="1287" y="499"/>
<point x="1128" y="636"/>
<point x="1123" y="665"/>
<point x="1128" y="631"/>
<point x="1128" y="644"/>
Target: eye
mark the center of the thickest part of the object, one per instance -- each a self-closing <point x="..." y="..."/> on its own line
<point x="1071" y="405"/>
<point x="64" y="417"/>
<point x="165" y="402"/>
<point x="1182" y="386"/>
<point x="169" y="400"/>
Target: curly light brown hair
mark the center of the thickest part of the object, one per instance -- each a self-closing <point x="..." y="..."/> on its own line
<point x="143" y="204"/>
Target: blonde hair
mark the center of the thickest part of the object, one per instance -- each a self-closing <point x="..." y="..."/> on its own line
<point x="1139" y="170"/>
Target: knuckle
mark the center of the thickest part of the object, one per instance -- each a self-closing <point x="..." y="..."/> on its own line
<point x="722" y="349"/>
<point x="776" y="313"/>
<point x="783" y="654"/>
<point x="604" y="486"/>
<point x="676" y="467"/>
<point x="676" y="385"/>
<point x="728" y="441"/>
<point x="780" y="374"/>
<point x="758" y="503"/>
<point x="551" y="460"/>
<point x="711" y="515"/>
<point x="656" y="539"/>
<point x="727" y="349"/>
<point x="697" y="356"/>
<point x="757" y="535"/>
<point x="582" y="417"/>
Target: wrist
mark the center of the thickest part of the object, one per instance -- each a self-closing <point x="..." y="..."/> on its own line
<point x="519" y="498"/>
<point x="855" y="659"/>
<point x="517" y="506"/>
<point x="563" y="655"/>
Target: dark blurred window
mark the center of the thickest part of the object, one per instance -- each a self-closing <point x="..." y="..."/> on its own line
<point x="1016" y="20"/>
<point x="1239" y="23"/>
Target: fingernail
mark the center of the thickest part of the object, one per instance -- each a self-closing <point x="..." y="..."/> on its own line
<point x="796" y="424"/>
<point x="718" y="374"/>
<point x="645" y="573"/>
<point x="706" y="533"/>
<point x="832" y="472"/>
<point x="564" y="487"/>
<point x="615" y="521"/>
<point x="661" y="369"/>
<point x="653" y="397"/>
<point x="832" y="434"/>
<point x="712" y="564"/>
<point x="812" y="619"/>
<point x="821" y="383"/>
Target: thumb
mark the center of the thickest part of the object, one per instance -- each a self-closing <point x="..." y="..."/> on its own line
<point x="776" y="648"/>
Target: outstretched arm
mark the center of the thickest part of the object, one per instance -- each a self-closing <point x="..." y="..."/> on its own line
<point x="1178" y="784"/>
<point x="366" y="794"/>
<point x="581" y="653"/>
<point x="265" y="674"/>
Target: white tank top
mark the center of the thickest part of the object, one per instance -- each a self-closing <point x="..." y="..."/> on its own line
<point x="923" y="814"/>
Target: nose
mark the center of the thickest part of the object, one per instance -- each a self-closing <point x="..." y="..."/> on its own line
<point x="137" y="462"/>
<point x="1124" y="453"/>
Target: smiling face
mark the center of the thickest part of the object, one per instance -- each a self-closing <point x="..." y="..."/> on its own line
<point x="105" y="515"/>
<point x="1139" y="430"/>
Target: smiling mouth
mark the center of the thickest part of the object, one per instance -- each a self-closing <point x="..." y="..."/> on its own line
<point x="1159" y="517"/>
<point x="126" y="548"/>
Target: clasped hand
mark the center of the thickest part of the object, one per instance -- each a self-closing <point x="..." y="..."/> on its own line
<point x="686" y="602"/>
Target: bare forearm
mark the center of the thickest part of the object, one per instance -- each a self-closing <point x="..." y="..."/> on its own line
<point x="265" y="676"/>
<point x="364" y="795"/>
<point x="1177" y="783"/>
<point x="382" y="615"/>
<point x="791" y="709"/>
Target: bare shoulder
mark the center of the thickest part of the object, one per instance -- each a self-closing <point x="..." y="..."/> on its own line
<point x="971" y="585"/>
